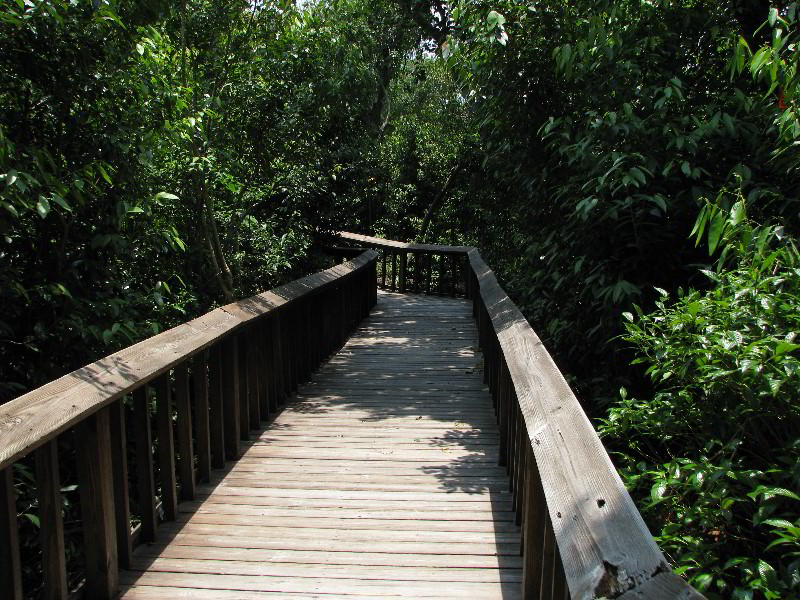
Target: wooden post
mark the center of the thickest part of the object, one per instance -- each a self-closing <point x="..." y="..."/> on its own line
<point x="548" y="558"/>
<point x="560" y="589"/>
<point x="277" y="369"/>
<point x="166" y="448"/>
<point x="146" y="489"/>
<point x="230" y="397"/>
<point x="394" y="270"/>
<point x="454" y="282"/>
<point x="533" y="525"/>
<point x="441" y="261"/>
<point x="202" y="423"/>
<point x="93" y="446"/>
<point x="403" y="268"/>
<point x="119" y="466"/>
<point x="244" y="397"/>
<point x="216" y="412"/>
<point x="383" y="269"/>
<point x="10" y="565"/>
<point x="184" y="426"/>
<point x="253" y="367"/>
<point x="51" y="526"/>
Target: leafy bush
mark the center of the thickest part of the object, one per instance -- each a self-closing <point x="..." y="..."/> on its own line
<point x="715" y="453"/>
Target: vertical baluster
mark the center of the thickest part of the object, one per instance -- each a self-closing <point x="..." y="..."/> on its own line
<point x="403" y="269"/>
<point x="184" y="426"/>
<point x="201" y="413"/>
<point x="10" y="565"/>
<point x="383" y="270"/>
<point x="429" y="274"/>
<point x="533" y="525"/>
<point x="521" y="466"/>
<point x="501" y="391"/>
<point x="263" y="350"/>
<point x="244" y="405"/>
<point x="278" y="371"/>
<point x="253" y="367"/>
<point x="93" y="449"/>
<point x="467" y="279"/>
<point x="119" y="464"/>
<point x="548" y="559"/>
<point x="166" y="448"/>
<point x="230" y="398"/>
<point x="454" y="273"/>
<point x="440" y="283"/>
<point x="394" y="271"/>
<point x="51" y="526"/>
<point x="216" y="406"/>
<point x="145" y="484"/>
<point x="560" y="589"/>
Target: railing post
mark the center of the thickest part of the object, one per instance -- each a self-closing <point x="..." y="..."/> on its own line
<point x="403" y="269"/>
<point x="201" y="413"/>
<point x="252" y="367"/>
<point x="533" y="526"/>
<point x="216" y="410"/>
<point x="383" y="269"/>
<point x="230" y="398"/>
<point x="10" y="564"/>
<point x="244" y="404"/>
<point x="119" y="465"/>
<point x="51" y="526"/>
<point x="145" y="484"/>
<point x="93" y="445"/>
<point x="166" y="448"/>
<point x="184" y="427"/>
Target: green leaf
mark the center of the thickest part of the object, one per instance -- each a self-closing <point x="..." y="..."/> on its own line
<point x="43" y="206"/>
<point x="784" y="347"/>
<point x="166" y="195"/>
<point x="773" y="16"/>
<point x="58" y="199"/>
<point x="32" y="518"/>
<point x="767" y="573"/>
<point x="104" y="173"/>
<point x="715" y="232"/>
<point x="495" y="19"/>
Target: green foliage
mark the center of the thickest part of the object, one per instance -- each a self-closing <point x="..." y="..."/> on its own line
<point x="715" y="451"/>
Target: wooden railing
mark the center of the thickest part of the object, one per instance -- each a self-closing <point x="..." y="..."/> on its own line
<point x="227" y="371"/>
<point x="582" y="534"/>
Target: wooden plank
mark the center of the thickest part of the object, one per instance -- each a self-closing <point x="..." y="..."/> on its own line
<point x="10" y="565"/>
<point x="252" y="367"/>
<point x="392" y="244"/>
<point x="166" y="447"/>
<point x="95" y="475"/>
<point x="202" y="422"/>
<point x="145" y="483"/>
<point x="244" y="392"/>
<point x="51" y="526"/>
<point x="216" y="407"/>
<point x="664" y="586"/>
<point x="230" y="397"/>
<point x="119" y="467"/>
<point x="183" y="426"/>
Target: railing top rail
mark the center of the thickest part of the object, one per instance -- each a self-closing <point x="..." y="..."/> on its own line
<point x="395" y="245"/>
<point x="40" y="415"/>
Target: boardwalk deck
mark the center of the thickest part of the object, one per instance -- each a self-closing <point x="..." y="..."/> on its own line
<point x="379" y="479"/>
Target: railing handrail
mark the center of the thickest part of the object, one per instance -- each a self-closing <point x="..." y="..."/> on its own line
<point x="395" y="245"/>
<point x="604" y="543"/>
<point x="40" y="415"/>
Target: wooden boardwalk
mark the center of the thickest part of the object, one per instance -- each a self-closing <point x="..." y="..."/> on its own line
<point x="379" y="479"/>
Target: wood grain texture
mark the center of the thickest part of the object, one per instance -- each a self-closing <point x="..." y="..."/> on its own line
<point x="38" y="416"/>
<point x="352" y="496"/>
<point x="119" y="466"/>
<point x="10" y="566"/>
<point x="96" y="485"/>
<point x="145" y="480"/>
<point x="605" y="545"/>
<point x="51" y="524"/>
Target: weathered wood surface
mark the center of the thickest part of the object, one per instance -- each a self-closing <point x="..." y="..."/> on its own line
<point x="37" y="417"/>
<point x="378" y="479"/>
<point x="395" y="245"/>
<point x="605" y="545"/>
